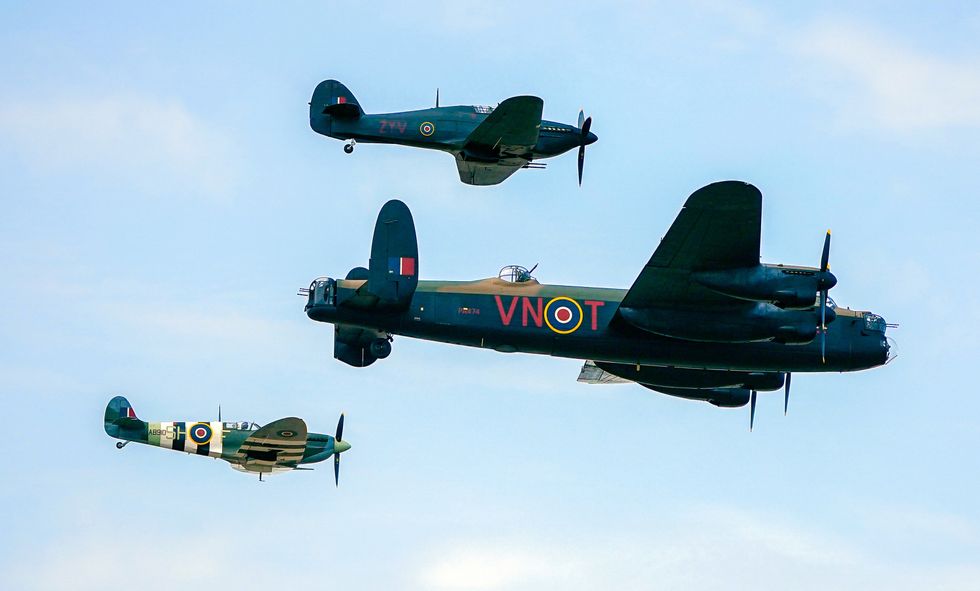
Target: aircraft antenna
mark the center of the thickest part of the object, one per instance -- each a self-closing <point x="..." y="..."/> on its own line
<point x="437" y="97"/>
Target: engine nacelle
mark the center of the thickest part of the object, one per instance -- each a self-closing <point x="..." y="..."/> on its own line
<point x="742" y="323"/>
<point x="787" y="287"/>
<point x="723" y="397"/>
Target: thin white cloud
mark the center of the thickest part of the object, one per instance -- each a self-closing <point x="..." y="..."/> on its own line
<point x="878" y="80"/>
<point x="712" y="548"/>
<point x="144" y="142"/>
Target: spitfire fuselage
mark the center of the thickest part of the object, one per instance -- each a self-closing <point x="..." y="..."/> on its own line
<point x="582" y="323"/>
<point x="214" y="439"/>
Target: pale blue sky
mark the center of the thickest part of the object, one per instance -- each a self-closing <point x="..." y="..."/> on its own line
<point x="163" y="197"/>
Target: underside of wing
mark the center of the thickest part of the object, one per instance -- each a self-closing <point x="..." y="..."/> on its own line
<point x="511" y="130"/>
<point x="487" y="173"/>
<point x="592" y="374"/>
<point x="719" y="228"/>
<point x="277" y="446"/>
<point x="719" y="387"/>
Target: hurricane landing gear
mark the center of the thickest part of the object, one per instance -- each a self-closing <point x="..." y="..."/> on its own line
<point x="381" y="348"/>
<point x="121" y="444"/>
<point x="349" y="148"/>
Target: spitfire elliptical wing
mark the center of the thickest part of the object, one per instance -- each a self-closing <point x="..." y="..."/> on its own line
<point x="277" y="446"/>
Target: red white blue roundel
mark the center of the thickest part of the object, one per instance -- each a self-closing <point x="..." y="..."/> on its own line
<point x="563" y="315"/>
<point x="201" y="433"/>
<point x="427" y="128"/>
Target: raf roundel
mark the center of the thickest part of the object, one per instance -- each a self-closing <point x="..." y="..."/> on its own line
<point x="287" y="434"/>
<point x="427" y="128"/>
<point x="563" y="315"/>
<point x="201" y="433"/>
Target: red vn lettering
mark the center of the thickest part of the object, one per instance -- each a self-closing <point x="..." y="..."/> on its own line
<point x="507" y="316"/>
<point x="595" y="305"/>
<point x="537" y="317"/>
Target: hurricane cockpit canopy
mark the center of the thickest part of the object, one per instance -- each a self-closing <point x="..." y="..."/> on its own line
<point x="515" y="274"/>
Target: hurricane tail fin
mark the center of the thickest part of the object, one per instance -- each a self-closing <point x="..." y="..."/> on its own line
<point x="334" y="99"/>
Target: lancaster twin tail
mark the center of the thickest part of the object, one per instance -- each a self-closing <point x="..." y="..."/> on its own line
<point x="704" y="320"/>
<point x="280" y="446"/>
<point x="489" y="144"/>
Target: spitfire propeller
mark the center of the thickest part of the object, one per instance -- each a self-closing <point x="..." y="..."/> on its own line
<point x="585" y="124"/>
<point x="339" y="446"/>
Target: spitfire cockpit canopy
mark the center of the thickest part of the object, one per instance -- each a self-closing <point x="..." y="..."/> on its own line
<point x="241" y="425"/>
<point x="515" y="274"/>
<point x="485" y="109"/>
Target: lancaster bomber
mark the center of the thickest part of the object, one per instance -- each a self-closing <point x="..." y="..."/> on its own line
<point x="704" y="320"/>
<point x="489" y="143"/>
<point x="280" y="446"/>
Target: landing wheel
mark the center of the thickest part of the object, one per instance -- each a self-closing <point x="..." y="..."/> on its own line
<point x="380" y="348"/>
<point x="349" y="148"/>
<point x="120" y="444"/>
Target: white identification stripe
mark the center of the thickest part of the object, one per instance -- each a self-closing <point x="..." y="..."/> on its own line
<point x="216" y="430"/>
<point x="189" y="445"/>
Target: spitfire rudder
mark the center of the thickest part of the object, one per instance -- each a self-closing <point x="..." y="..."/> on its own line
<point x="121" y="421"/>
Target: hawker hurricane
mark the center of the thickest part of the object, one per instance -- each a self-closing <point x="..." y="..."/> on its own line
<point x="488" y="143"/>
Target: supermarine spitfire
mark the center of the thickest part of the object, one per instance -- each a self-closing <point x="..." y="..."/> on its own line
<point x="280" y="446"/>
<point x="705" y="320"/>
<point x="489" y="144"/>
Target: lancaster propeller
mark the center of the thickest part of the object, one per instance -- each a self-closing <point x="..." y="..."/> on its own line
<point x="585" y="124"/>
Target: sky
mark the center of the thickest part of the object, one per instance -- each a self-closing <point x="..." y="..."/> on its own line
<point x="163" y="198"/>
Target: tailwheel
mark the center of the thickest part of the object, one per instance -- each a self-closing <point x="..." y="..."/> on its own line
<point x="349" y="148"/>
<point x="121" y="444"/>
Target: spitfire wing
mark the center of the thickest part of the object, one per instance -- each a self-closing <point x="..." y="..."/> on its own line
<point x="486" y="173"/>
<point x="280" y="444"/>
<point x="510" y="130"/>
<point x="720" y="227"/>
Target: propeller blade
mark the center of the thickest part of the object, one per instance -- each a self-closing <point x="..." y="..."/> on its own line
<point x="581" y="118"/>
<point x="752" y="410"/>
<point x="336" y="470"/>
<point x="789" y="376"/>
<point x="586" y="126"/>
<point x="825" y="255"/>
<point x="823" y="325"/>
<point x="340" y="428"/>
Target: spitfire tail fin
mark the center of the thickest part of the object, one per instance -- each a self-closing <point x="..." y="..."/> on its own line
<point x="120" y="419"/>
<point x="332" y="99"/>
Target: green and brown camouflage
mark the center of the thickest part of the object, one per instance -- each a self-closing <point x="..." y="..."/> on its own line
<point x="280" y="446"/>
<point x="704" y="320"/>
<point x="488" y="143"/>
